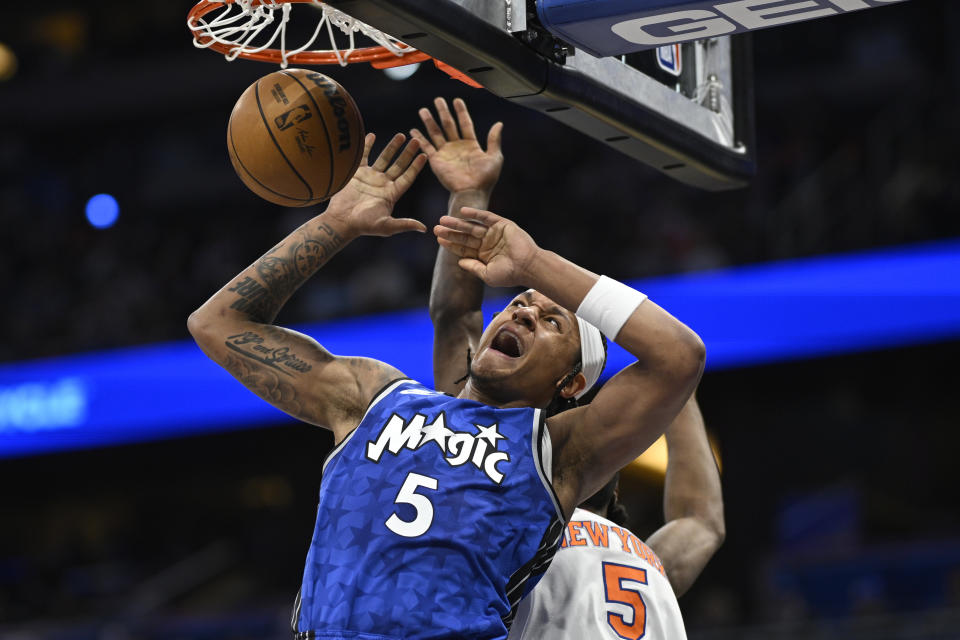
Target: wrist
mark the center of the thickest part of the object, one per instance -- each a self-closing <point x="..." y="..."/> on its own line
<point x="341" y="222"/>
<point x="533" y="269"/>
<point x="476" y="198"/>
<point x="608" y="305"/>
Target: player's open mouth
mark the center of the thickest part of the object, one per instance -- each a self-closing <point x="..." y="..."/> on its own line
<point x="507" y="343"/>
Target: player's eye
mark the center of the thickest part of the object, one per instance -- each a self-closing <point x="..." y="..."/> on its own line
<point x="556" y="323"/>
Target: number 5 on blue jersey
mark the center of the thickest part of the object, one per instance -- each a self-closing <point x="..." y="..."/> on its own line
<point x="424" y="508"/>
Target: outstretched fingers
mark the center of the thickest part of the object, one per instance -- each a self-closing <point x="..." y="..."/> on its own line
<point x="459" y="238"/>
<point x="494" y="137"/>
<point x="462" y="226"/>
<point x="433" y="129"/>
<point x="410" y="174"/>
<point x="425" y="144"/>
<point x="464" y="119"/>
<point x="457" y="249"/>
<point x="404" y="159"/>
<point x="446" y="119"/>
<point x="368" y="141"/>
<point x="383" y="160"/>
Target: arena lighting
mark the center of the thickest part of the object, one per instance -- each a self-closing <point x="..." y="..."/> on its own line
<point x="655" y="458"/>
<point x="746" y="316"/>
<point x="8" y="63"/>
<point x="102" y="210"/>
<point x="401" y="73"/>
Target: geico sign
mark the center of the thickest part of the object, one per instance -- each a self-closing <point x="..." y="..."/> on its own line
<point x="712" y="19"/>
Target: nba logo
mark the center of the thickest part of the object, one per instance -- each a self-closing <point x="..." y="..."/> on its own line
<point x="292" y="116"/>
<point x="668" y="59"/>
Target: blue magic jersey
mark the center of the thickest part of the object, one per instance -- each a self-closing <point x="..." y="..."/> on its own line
<point x="436" y="516"/>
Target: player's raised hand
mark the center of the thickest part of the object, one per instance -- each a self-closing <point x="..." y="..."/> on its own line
<point x="367" y="201"/>
<point x="489" y="246"/>
<point x="455" y="154"/>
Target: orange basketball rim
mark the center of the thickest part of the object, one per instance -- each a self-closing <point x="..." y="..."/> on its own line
<point x="256" y="30"/>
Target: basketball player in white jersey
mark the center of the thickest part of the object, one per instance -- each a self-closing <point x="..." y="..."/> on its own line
<point x="604" y="582"/>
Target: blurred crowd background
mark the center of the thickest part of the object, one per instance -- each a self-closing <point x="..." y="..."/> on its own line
<point x="843" y="511"/>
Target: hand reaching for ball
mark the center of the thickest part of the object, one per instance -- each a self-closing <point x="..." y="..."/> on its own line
<point x="367" y="202"/>
<point x="455" y="154"/>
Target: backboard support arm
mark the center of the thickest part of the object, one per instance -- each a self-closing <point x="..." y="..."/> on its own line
<point x="582" y="95"/>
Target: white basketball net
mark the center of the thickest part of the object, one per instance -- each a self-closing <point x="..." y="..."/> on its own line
<point x="241" y="30"/>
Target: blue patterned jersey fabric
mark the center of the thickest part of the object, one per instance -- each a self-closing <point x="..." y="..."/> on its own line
<point x="436" y="516"/>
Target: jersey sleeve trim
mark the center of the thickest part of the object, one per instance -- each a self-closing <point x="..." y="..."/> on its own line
<point x="522" y="617"/>
<point x="380" y="395"/>
<point x="295" y="616"/>
<point x="542" y="448"/>
<point x="537" y="565"/>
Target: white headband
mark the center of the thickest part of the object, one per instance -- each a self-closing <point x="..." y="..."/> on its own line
<point x="593" y="356"/>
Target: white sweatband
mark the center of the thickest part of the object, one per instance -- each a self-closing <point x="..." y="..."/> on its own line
<point x="609" y="304"/>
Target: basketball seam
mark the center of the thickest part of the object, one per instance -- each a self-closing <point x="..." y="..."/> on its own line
<point x="253" y="177"/>
<point x="323" y="122"/>
<point x="256" y="92"/>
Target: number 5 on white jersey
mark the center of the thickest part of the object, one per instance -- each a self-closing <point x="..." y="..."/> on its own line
<point x="621" y="584"/>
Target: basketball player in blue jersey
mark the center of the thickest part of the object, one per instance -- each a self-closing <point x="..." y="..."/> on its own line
<point x="437" y="513"/>
<point x="572" y="599"/>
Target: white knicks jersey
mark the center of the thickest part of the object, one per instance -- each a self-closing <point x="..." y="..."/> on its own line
<point x="604" y="582"/>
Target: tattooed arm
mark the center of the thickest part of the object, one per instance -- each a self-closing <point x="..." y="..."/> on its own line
<point x="289" y="370"/>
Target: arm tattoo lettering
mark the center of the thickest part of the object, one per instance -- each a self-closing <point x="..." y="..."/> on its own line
<point x="252" y="345"/>
<point x="282" y="270"/>
<point x="335" y="241"/>
<point x="249" y="293"/>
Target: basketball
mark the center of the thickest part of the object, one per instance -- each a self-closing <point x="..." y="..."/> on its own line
<point x="295" y="137"/>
